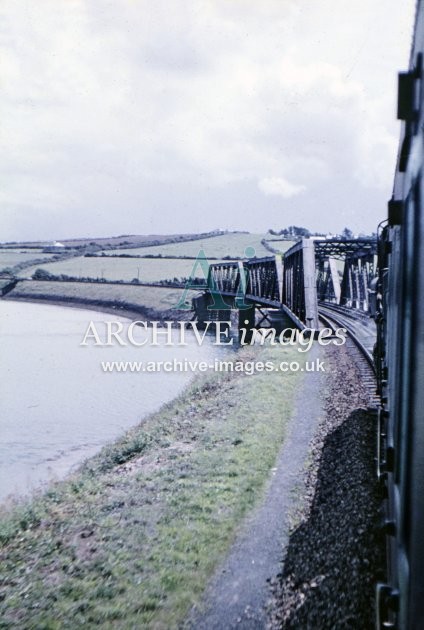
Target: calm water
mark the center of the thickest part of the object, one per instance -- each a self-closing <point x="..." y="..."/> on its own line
<point x="57" y="405"/>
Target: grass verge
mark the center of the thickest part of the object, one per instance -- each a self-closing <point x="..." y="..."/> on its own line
<point x="122" y="296"/>
<point x="130" y="540"/>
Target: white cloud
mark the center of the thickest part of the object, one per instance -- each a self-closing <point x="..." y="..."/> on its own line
<point x="116" y="115"/>
<point x="280" y="187"/>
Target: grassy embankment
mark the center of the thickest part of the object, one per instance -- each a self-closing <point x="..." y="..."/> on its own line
<point x="149" y="301"/>
<point x="130" y="540"/>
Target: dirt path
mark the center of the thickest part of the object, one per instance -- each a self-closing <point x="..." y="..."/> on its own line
<point x="238" y="593"/>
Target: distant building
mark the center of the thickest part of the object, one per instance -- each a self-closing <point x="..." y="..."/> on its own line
<point x="54" y="247"/>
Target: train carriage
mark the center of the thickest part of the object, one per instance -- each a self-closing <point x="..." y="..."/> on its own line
<point x="400" y="600"/>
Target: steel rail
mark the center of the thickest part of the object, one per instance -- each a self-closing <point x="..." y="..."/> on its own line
<point x="342" y="321"/>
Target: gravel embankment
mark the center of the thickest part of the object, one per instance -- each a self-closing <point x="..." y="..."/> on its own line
<point x="335" y="553"/>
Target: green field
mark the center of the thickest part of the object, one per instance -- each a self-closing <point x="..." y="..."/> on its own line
<point x="159" y="299"/>
<point x="217" y="247"/>
<point x="10" y="258"/>
<point x="156" y="269"/>
<point x="146" y="270"/>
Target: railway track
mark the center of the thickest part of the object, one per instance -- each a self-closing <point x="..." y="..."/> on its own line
<point x="361" y="335"/>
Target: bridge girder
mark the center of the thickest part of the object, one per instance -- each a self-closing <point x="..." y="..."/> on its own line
<point x="310" y="270"/>
<point x="345" y="270"/>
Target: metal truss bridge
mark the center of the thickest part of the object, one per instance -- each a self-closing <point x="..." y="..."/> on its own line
<point x="292" y="286"/>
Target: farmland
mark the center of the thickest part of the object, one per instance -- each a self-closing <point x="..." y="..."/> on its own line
<point x="232" y="244"/>
<point x="113" y="267"/>
<point x="146" y="270"/>
<point x="10" y="258"/>
<point x="170" y="261"/>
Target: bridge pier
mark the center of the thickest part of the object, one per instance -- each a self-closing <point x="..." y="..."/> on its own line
<point x="299" y="287"/>
<point x="202" y="306"/>
<point x="246" y="320"/>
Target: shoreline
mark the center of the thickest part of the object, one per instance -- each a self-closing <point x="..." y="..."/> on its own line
<point x="161" y="492"/>
<point x="57" y="476"/>
<point x="128" y="311"/>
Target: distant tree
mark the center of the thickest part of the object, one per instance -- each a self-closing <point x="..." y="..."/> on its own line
<point x="41" y="274"/>
<point x="347" y="234"/>
<point x="294" y="231"/>
<point x="6" y="271"/>
<point x="297" y="231"/>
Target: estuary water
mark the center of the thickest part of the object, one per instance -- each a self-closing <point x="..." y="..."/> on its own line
<point x="57" y="405"/>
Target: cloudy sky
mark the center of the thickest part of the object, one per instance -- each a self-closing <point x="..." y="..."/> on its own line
<point x="162" y="116"/>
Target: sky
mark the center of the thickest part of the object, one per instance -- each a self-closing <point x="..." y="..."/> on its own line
<point x="166" y="116"/>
